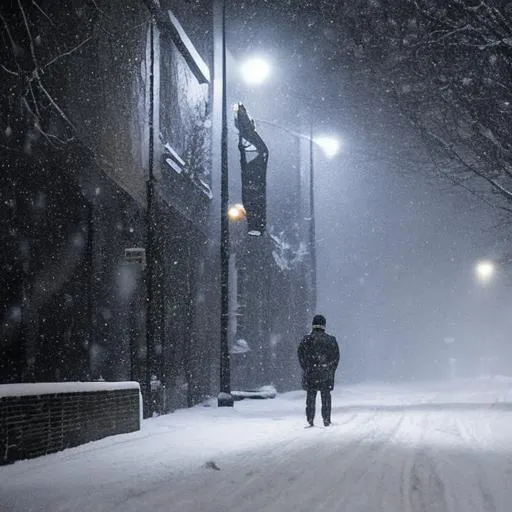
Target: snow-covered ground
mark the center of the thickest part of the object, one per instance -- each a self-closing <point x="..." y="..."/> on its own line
<point x="437" y="447"/>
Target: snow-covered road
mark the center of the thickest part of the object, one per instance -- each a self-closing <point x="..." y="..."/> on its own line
<point x="437" y="447"/>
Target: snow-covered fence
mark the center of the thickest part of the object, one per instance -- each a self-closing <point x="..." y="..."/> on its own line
<point x="42" y="418"/>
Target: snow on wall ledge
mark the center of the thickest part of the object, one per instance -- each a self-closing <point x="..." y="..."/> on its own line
<point x="52" y="388"/>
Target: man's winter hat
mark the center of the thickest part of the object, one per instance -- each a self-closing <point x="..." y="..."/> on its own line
<point x="319" y="322"/>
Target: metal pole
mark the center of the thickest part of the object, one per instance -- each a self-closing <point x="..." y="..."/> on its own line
<point x="312" y="236"/>
<point x="150" y="327"/>
<point x="224" y="399"/>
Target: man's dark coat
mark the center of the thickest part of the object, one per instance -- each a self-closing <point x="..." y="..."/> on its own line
<point x="319" y="356"/>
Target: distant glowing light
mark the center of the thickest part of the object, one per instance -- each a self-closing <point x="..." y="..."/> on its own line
<point x="236" y="212"/>
<point x="255" y="71"/>
<point x="329" y="145"/>
<point x="485" y="271"/>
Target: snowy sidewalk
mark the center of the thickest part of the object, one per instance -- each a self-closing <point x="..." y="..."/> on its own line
<point x="441" y="447"/>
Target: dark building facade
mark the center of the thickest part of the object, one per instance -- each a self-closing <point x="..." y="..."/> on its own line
<point x="106" y="194"/>
<point x="109" y="266"/>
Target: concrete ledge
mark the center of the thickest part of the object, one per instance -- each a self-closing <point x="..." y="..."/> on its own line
<point x="37" y="419"/>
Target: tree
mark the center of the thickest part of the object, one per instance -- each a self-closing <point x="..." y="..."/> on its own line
<point x="33" y="51"/>
<point x="446" y="67"/>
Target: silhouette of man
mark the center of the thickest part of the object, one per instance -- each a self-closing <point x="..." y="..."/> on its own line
<point x="319" y="355"/>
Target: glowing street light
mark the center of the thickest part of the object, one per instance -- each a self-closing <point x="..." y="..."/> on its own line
<point x="485" y="271"/>
<point x="329" y="145"/>
<point x="236" y="212"/>
<point x="255" y="71"/>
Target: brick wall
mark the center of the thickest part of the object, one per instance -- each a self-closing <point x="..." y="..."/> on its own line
<point x="33" y="425"/>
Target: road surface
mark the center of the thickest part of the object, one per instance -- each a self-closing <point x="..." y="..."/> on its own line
<point x="429" y="448"/>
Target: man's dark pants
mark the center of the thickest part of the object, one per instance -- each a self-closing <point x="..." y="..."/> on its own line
<point x="325" y="395"/>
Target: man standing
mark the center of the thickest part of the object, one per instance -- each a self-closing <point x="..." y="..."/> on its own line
<point x="319" y="356"/>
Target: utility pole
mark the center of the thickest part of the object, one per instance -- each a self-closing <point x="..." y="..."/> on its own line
<point x="312" y="235"/>
<point x="150" y="242"/>
<point x="225" y="398"/>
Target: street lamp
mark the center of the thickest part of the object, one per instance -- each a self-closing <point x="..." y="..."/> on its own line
<point x="255" y="71"/>
<point x="484" y="271"/>
<point x="236" y="212"/>
<point x="330" y="146"/>
<point x="151" y="357"/>
<point x="224" y="399"/>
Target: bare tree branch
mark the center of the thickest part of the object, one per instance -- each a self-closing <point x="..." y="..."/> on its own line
<point x="9" y="71"/>
<point x="31" y="40"/>
<point x="11" y="39"/>
<point x="36" y="106"/>
<point x="65" y="54"/>
<point x="57" y="108"/>
<point x="42" y="12"/>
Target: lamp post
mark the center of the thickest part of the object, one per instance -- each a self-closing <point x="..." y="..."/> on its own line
<point x="312" y="236"/>
<point x="224" y="399"/>
<point x="330" y="147"/>
<point x="150" y="241"/>
<point x="485" y="273"/>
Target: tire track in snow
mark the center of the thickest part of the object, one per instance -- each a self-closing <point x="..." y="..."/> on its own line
<point x="475" y="444"/>
<point x="421" y="488"/>
<point x="427" y="490"/>
<point x="448" y="465"/>
<point x="366" y="476"/>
